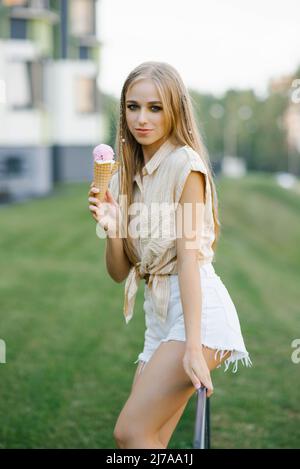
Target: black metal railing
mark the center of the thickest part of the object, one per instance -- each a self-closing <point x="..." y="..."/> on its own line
<point x="202" y="421"/>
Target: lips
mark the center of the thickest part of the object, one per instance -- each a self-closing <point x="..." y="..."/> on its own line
<point x="143" y="131"/>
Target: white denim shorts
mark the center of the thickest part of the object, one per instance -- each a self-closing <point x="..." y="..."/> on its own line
<point x="220" y="326"/>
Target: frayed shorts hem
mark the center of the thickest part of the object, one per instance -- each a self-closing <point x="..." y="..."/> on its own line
<point x="235" y="357"/>
<point x="220" y="327"/>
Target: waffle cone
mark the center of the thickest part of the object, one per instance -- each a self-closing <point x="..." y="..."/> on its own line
<point x="102" y="175"/>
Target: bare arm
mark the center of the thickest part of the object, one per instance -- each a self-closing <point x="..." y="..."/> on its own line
<point x="188" y="267"/>
<point x="117" y="263"/>
<point x="189" y="220"/>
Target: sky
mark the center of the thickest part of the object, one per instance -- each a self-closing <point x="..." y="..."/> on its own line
<point x="214" y="44"/>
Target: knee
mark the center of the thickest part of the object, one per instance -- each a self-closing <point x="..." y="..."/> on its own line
<point x="127" y="436"/>
<point x="122" y="435"/>
<point x="119" y="437"/>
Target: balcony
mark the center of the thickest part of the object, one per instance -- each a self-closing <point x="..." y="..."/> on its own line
<point x="34" y="9"/>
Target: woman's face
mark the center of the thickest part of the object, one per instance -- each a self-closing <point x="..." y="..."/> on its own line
<point x="144" y="111"/>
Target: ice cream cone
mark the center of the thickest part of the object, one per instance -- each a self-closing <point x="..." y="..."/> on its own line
<point x="103" y="172"/>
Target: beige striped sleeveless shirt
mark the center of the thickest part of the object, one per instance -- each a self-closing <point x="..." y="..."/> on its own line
<point x="163" y="180"/>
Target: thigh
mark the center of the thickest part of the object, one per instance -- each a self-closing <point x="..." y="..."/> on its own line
<point x="160" y="392"/>
<point x="211" y="359"/>
<point x="138" y="371"/>
<point x="161" y="389"/>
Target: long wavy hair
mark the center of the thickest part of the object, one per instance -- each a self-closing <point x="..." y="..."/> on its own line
<point x="181" y="128"/>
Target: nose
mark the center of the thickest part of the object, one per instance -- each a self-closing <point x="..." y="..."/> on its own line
<point x="142" y="118"/>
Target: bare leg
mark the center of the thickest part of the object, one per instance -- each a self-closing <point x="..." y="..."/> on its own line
<point x="168" y="428"/>
<point x="158" y="398"/>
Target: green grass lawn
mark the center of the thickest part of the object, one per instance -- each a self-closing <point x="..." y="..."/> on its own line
<point x="70" y="356"/>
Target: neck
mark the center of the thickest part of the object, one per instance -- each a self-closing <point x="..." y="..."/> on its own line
<point x="150" y="150"/>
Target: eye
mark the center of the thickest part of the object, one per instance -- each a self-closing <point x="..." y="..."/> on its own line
<point x="157" y="108"/>
<point x="132" y="107"/>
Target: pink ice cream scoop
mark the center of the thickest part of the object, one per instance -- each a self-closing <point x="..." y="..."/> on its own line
<point x="103" y="152"/>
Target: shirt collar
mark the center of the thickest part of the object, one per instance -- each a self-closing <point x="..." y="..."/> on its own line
<point x="164" y="150"/>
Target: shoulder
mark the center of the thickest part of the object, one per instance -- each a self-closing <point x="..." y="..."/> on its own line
<point x="186" y="159"/>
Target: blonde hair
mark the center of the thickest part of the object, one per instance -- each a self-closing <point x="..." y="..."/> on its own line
<point x="181" y="128"/>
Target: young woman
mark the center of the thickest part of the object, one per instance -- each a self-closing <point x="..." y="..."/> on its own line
<point x="192" y="325"/>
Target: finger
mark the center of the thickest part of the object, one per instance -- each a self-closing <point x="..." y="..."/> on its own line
<point x="196" y="382"/>
<point x="93" y="208"/>
<point x="94" y="200"/>
<point x="93" y="191"/>
<point x="209" y="388"/>
<point x="94" y="215"/>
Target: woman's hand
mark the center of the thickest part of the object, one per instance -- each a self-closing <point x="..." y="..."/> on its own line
<point x="196" y="368"/>
<point x="106" y="213"/>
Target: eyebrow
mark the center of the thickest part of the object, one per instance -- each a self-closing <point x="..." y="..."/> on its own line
<point x="149" y="102"/>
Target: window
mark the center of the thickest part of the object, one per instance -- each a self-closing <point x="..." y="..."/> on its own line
<point x="82" y="17"/>
<point x="85" y="95"/>
<point x="36" y="70"/>
<point x="18" y="28"/>
<point x="13" y="166"/>
<point x="83" y="53"/>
